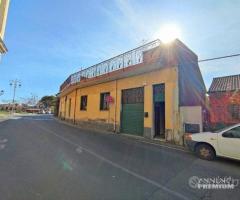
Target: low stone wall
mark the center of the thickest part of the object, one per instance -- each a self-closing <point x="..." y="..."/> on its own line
<point x="101" y="125"/>
<point x="92" y="124"/>
<point x="98" y="125"/>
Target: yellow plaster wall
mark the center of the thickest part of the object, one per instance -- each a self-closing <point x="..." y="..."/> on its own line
<point x="167" y="76"/>
<point x="93" y="111"/>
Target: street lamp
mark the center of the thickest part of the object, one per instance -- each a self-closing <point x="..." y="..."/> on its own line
<point x="15" y="84"/>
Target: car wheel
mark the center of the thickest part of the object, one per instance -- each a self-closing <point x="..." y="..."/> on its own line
<point x="205" y="152"/>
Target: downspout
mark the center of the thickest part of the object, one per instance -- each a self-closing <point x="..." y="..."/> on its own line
<point x="115" y="109"/>
<point x="178" y="119"/>
<point x="74" y="116"/>
<point x="65" y="107"/>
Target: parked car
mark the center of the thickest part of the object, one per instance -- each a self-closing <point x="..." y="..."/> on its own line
<point x="223" y="143"/>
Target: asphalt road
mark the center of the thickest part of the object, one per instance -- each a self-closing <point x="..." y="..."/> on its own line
<point x="43" y="159"/>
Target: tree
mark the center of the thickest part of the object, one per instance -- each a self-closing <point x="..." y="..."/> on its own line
<point x="56" y="107"/>
<point x="48" y="101"/>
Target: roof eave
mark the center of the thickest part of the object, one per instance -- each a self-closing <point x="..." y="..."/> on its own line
<point x="216" y="91"/>
<point x="3" y="48"/>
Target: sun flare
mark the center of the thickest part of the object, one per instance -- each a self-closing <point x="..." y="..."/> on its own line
<point x="168" y="33"/>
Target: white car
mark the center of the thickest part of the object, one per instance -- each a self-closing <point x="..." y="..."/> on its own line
<point x="223" y="143"/>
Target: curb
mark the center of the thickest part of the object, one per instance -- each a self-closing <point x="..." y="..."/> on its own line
<point x="4" y="119"/>
<point x="129" y="137"/>
<point x="154" y="142"/>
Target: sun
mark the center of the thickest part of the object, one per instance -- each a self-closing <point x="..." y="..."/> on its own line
<point x="168" y="33"/>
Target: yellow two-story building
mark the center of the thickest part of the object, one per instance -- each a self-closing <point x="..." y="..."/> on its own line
<point x="155" y="91"/>
<point x="4" y="4"/>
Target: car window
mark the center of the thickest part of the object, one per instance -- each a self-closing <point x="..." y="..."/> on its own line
<point x="220" y="130"/>
<point x="232" y="133"/>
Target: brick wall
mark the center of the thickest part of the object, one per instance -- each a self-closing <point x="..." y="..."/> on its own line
<point x="220" y="103"/>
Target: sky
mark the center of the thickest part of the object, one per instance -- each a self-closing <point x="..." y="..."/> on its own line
<point x="49" y="40"/>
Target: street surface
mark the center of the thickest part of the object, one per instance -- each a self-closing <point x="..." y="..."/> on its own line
<point x="43" y="159"/>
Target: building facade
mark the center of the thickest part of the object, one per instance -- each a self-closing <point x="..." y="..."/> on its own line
<point x="4" y="4"/>
<point x="224" y="99"/>
<point x="151" y="91"/>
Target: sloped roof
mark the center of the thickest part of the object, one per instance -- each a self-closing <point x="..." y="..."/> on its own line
<point x="226" y="83"/>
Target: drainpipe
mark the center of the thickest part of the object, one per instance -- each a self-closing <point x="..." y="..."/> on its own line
<point x="74" y="116"/>
<point x="115" y="109"/>
<point x="65" y="107"/>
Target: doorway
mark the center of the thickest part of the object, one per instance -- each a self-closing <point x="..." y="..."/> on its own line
<point x="132" y="115"/>
<point x="159" y="110"/>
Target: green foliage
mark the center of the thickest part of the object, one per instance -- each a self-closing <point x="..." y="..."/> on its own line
<point x="48" y="101"/>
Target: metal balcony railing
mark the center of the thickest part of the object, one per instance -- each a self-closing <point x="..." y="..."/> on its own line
<point x="3" y="48"/>
<point x="132" y="57"/>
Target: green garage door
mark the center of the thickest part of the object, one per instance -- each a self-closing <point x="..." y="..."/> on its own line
<point x="132" y="118"/>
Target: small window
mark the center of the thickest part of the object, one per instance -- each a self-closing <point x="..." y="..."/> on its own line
<point x="83" y="105"/>
<point x="232" y="133"/>
<point x="234" y="110"/>
<point x="104" y="105"/>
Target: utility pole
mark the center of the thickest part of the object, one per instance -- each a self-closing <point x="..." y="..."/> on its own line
<point x="34" y="99"/>
<point x="15" y="84"/>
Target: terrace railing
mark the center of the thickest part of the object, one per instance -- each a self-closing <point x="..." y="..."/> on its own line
<point x="132" y="57"/>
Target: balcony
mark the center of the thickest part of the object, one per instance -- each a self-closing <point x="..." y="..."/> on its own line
<point x="127" y="59"/>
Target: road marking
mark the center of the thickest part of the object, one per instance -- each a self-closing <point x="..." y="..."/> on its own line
<point x="79" y="150"/>
<point x="128" y="136"/>
<point x="2" y="146"/>
<point x="15" y="118"/>
<point x="2" y="143"/>
<point x="158" y="185"/>
<point x="3" y="140"/>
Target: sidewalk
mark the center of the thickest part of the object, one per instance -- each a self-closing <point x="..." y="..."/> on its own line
<point x="154" y="142"/>
<point x="4" y="116"/>
<point x="131" y="137"/>
<point x="2" y="119"/>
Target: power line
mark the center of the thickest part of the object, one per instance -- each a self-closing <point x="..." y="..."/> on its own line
<point x="217" y="58"/>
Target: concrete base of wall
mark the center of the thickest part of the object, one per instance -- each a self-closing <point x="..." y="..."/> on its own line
<point x="92" y="124"/>
<point x="147" y="133"/>
<point x="98" y="125"/>
<point x="171" y="136"/>
<point x="174" y="136"/>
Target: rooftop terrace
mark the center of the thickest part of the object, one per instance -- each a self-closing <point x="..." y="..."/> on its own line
<point x="129" y="58"/>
